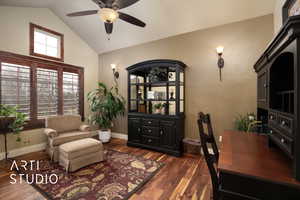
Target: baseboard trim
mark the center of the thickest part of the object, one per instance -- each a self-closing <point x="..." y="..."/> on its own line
<point x="119" y="136"/>
<point x="24" y="150"/>
<point x="114" y="135"/>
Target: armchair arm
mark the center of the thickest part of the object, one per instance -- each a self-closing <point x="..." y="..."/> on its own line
<point x="85" y="128"/>
<point x="51" y="133"/>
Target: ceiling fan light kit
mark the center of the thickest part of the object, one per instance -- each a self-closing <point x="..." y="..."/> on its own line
<point x="109" y="13"/>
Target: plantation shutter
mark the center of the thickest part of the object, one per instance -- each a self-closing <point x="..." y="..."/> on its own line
<point x="15" y="86"/>
<point x="71" y="91"/>
<point x="47" y="92"/>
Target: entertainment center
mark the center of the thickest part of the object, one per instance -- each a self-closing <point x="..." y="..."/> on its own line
<point x="278" y="90"/>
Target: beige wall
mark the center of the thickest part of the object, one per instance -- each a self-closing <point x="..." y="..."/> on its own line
<point x="243" y="41"/>
<point x="278" y="15"/>
<point x="14" y="23"/>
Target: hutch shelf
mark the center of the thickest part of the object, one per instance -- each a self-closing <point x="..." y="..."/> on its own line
<point x="156" y="105"/>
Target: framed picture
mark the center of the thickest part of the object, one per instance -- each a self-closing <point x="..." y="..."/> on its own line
<point x="290" y="8"/>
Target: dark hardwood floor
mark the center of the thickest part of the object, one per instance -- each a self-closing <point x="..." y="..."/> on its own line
<point x="185" y="178"/>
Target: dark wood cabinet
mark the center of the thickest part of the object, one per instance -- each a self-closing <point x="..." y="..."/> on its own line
<point x="278" y="96"/>
<point x="156" y="105"/>
<point x="262" y="88"/>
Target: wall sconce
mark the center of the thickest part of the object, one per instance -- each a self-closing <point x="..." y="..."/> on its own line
<point x="221" y="61"/>
<point x="115" y="72"/>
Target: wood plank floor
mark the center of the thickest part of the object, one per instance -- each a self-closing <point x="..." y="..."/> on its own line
<point x="181" y="178"/>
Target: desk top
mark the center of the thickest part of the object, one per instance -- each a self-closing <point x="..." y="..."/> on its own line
<point x="248" y="154"/>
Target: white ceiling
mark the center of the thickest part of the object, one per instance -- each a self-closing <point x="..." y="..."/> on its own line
<point x="164" y="18"/>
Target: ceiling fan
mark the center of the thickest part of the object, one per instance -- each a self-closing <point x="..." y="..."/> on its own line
<point x="109" y="13"/>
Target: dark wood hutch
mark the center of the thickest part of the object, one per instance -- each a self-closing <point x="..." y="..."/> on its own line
<point x="278" y="91"/>
<point x="156" y="105"/>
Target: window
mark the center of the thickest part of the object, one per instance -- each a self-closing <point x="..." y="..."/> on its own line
<point x="40" y="88"/>
<point x="47" y="93"/>
<point x="46" y="43"/>
<point x="15" y="86"/>
<point x="71" y="93"/>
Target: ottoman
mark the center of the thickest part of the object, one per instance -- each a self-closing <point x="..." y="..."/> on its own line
<point x="80" y="153"/>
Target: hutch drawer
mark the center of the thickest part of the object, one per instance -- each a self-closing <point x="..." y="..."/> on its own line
<point x="151" y="131"/>
<point x="283" y="141"/>
<point x="286" y="124"/>
<point x="152" y="141"/>
<point x="150" y="122"/>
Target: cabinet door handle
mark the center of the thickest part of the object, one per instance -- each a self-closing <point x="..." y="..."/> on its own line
<point x="265" y="85"/>
<point x="161" y="132"/>
<point x="149" y="122"/>
<point x="149" y="131"/>
<point x="139" y="129"/>
<point x="149" y="140"/>
<point x="282" y="141"/>
<point x="283" y="123"/>
<point x="271" y="131"/>
<point x="271" y="117"/>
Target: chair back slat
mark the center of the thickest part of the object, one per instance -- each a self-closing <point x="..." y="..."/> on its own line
<point x="210" y="158"/>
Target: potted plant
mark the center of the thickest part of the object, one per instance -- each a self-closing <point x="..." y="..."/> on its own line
<point x="246" y="122"/>
<point x="106" y="105"/>
<point x="11" y="121"/>
<point x="159" y="108"/>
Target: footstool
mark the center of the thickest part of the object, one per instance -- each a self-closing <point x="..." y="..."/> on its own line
<point x="80" y="153"/>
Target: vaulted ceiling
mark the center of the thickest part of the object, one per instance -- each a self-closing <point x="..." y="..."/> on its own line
<point x="164" y="18"/>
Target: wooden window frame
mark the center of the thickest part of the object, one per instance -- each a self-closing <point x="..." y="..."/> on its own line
<point x="31" y="42"/>
<point x="35" y="63"/>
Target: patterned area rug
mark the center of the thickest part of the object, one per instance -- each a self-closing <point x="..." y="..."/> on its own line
<point x="117" y="178"/>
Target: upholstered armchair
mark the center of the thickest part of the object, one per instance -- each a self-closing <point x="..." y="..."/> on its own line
<point x="62" y="129"/>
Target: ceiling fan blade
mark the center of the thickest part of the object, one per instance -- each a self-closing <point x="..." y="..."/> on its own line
<point x="100" y="3"/>
<point x="122" y="3"/>
<point x="131" y="20"/>
<point x="108" y="27"/>
<point x="83" y="13"/>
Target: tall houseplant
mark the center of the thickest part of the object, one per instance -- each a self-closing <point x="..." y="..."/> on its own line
<point x="106" y="105"/>
<point x="11" y="121"/>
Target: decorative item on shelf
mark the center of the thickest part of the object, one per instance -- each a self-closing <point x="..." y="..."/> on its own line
<point x="159" y="95"/>
<point x="172" y="95"/>
<point x="221" y="61"/>
<point x="172" y="76"/>
<point x="151" y="95"/>
<point x="140" y="95"/>
<point x="247" y="123"/>
<point x="158" y="74"/>
<point x="11" y="121"/>
<point x="159" y="108"/>
<point x="106" y="105"/>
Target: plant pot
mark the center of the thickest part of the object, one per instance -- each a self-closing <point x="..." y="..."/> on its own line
<point x="104" y="135"/>
<point x="4" y="123"/>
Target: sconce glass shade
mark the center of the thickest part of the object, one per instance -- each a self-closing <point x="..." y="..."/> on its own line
<point x="108" y="15"/>
<point x="220" y="50"/>
<point x="113" y="66"/>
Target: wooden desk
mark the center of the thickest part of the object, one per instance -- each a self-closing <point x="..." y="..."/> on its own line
<point x="249" y="169"/>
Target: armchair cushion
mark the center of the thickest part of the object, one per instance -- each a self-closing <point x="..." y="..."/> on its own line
<point x="51" y="133"/>
<point x="68" y="137"/>
<point x="85" y="128"/>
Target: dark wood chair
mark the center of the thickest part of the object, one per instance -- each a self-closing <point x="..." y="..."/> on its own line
<point x="208" y="139"/>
